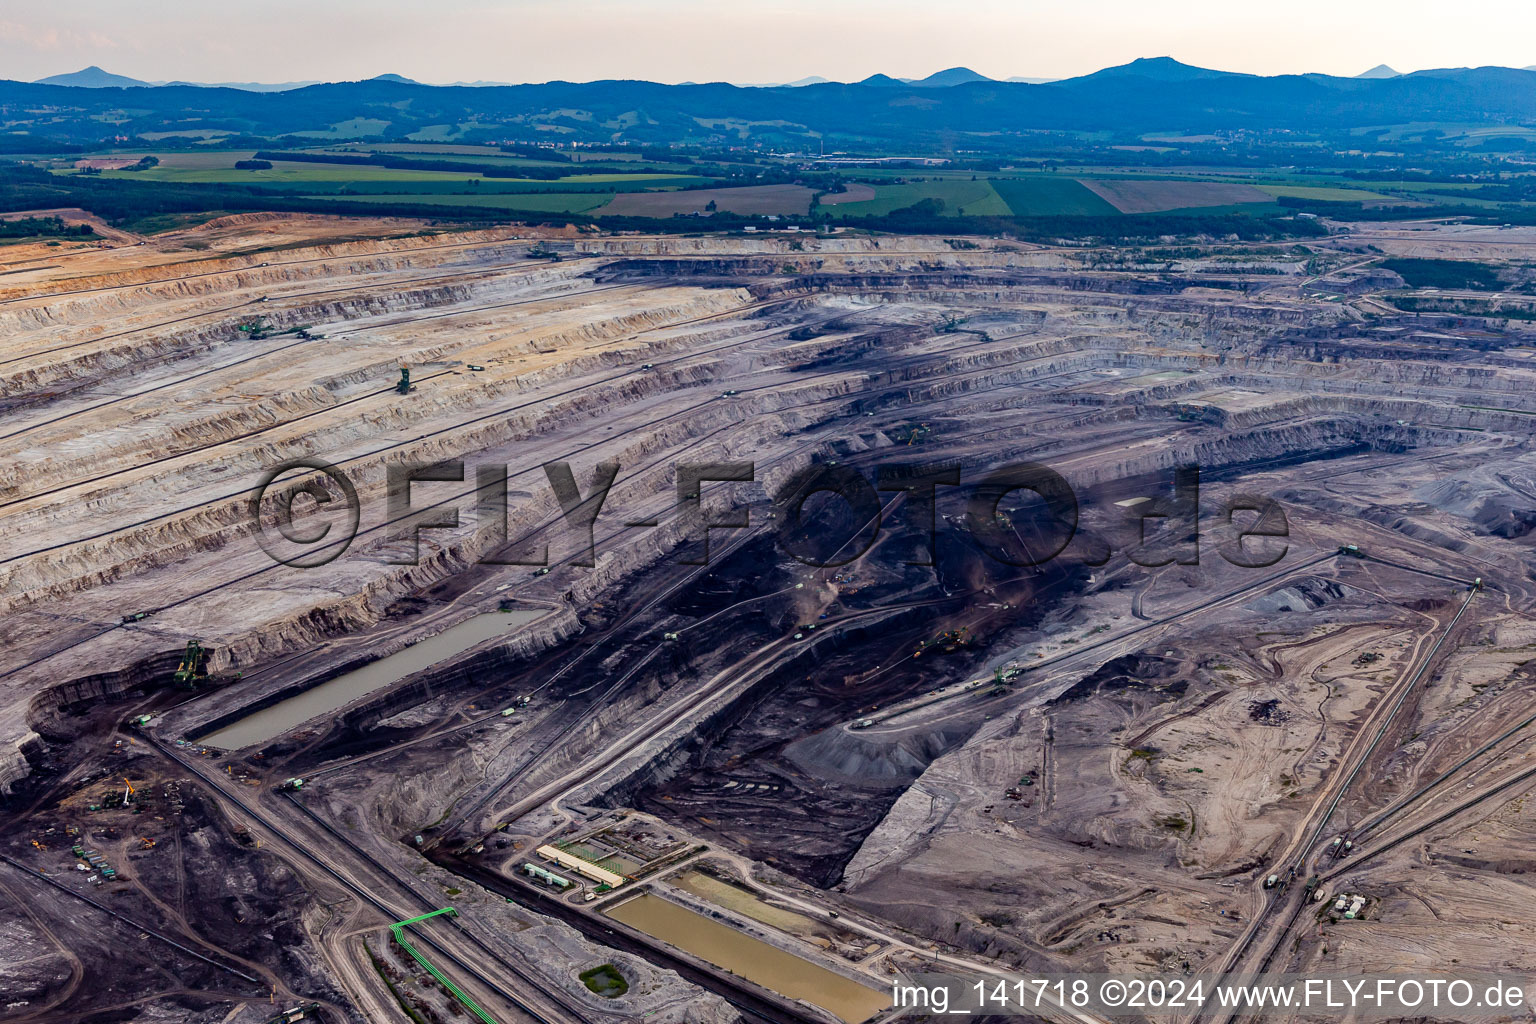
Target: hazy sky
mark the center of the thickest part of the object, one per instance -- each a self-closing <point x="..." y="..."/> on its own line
<point x="743" y="40"/>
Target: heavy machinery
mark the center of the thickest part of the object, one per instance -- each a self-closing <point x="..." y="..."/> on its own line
<point x="404" y="386"/>
<point x="947" y="642"/>
<point x="193" y="668"/>
<point x="1351" y="549"/>
<point x="135" y="617"/>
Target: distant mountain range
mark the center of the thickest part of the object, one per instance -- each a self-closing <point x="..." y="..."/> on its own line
<point x="1150" y="93"/>
<point x="951" y="76"/>
<point x="91" y="78"/>
<point x="1157" y="69"/>
<point x="94" y="77"/>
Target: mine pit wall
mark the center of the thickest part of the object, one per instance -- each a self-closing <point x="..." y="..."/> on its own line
<point x="193" y="532"/>
<point x="341" y="619"/>
<point x="380" y="254"/>
<point x="144" y="348"/>
<point x="661" y="767"/>
<point x="884" y="770"/>
<point x="100" y="561"/>
<point x="934" y="274"/>
<point x="24" y="743"/>
<point x="363" y="609"/>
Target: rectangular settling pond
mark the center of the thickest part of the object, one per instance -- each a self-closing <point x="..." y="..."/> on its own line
<point x="270" y="723"/>
<point x="750" y="958"/>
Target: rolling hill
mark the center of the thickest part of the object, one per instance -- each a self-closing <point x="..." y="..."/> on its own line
<point x="1155" y="93"/>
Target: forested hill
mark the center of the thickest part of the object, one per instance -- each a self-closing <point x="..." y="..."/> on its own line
<point x="1158" y="94"/>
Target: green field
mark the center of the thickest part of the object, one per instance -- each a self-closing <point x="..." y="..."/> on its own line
<point x="591" y="179"/>
<point x="438" y="132"/>
<point x="1239" y="209"/>
<point x="186" y="159"/>
<point x="357" y="127"/>
<point x="287" y="171"/>
<point x="1050" y="195"/>
<point x="453" y="184"/>
<point x="548" y="202"/>
<point x="218" y="167"/>
<point x="189" y="133"/>
<point x="462" y="155"/>
<point x="1325" y="193"/>
<point x="960" y="197"/>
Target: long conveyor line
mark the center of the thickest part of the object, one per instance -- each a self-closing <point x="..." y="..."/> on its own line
<point x="398" y="930"/>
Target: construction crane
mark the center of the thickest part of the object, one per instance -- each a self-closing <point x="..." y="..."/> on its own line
<point x="128" y="792"/>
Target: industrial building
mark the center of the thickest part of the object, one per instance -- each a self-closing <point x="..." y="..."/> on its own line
<point x="532" y="870"/>
<point x="581" y="866"/>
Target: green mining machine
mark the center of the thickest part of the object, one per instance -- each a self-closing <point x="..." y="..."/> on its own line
<point x="194" y="665"/>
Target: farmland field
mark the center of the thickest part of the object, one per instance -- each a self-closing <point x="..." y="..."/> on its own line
<point x="1338" y="195"/>
<point x="749" y="199"/>
<point x="852" y="194"/>
<point x="447" y="154"/>
<point x="451" y="184"/>
<point x="534" y="202"/>
<point x="492" y="155"/>
<point x="1151" y="196"/>
<point x="287" y="170"/>
<point x="1046" y="196"/>
<point x="186" y="159"/>
<point x="960" y="197"/>
<point x="357" y="127"/>
<point x="218" y="167"/>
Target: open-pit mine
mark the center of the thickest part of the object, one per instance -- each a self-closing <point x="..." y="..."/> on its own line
<point x="729" y="627"/>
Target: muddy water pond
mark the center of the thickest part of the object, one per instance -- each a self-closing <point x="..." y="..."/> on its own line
<point x="271" y="722"/>
<point x="751" y="958"/>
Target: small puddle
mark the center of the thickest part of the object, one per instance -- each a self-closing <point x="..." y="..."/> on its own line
<point x="753" y="959"/>
<point x="269" y="723"/>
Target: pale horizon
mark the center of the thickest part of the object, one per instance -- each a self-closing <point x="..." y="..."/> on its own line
<point x="689" y="40"/>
